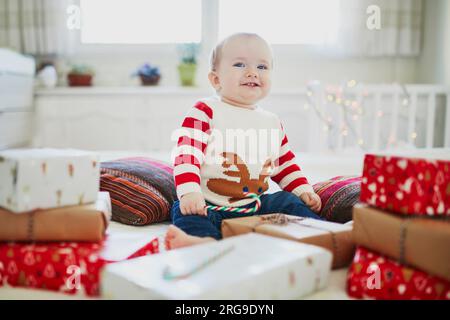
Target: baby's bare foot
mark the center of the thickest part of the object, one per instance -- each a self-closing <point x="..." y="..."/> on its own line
<point x="177" y="238"/>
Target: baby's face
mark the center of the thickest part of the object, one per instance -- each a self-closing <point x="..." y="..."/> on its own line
<point x="243" y="75"/>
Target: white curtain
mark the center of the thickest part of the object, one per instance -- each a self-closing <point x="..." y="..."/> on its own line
<point x="399" y="33"/>
<point x="36" y="27"/>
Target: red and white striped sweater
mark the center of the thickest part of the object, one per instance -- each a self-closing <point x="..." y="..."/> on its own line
<point x="223" y="151"/>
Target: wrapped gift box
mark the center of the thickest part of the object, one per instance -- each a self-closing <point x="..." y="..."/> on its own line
<point x="407" y="185"/>
<point x="72" y="223"/>
<point x="376" y="277"/>
<point x="47" y="178"/>
<point x="67" y="267"/>
<point x="420" y="242"/>
<point x="250" y="266"/>
<point x="334" y="237"/>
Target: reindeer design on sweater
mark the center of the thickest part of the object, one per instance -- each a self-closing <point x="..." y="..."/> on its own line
<point x="235" y="190"/>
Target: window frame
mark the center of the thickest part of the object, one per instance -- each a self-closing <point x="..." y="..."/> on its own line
<point x="209" y="37"/>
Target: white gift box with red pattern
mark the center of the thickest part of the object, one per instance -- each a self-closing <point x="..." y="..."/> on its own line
<point x="47" y="178"/>
<point x="250" y="266"/>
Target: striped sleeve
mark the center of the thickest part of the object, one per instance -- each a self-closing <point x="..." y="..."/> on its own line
<point x="287" y="174"/>
<point x="190" y="149"/>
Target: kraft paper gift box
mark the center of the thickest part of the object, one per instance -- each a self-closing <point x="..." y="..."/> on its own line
<point x="250" y="266"/>
<point x="407" y="186"/>
<point x="374" y="276"/>
<point x="423" y="243"/>
<point x="334" y="237"/>
<point x="72" y="223"/>
<point x="47" y="178"/>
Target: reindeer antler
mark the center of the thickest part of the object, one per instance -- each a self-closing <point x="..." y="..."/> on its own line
<point x="265" y="171"/>
<point x="232" y="158"/>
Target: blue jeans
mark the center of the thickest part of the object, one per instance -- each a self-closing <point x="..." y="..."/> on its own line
<point x="210" y="226"/>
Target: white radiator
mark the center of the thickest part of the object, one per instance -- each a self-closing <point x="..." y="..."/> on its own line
<point x="16" y="98"/>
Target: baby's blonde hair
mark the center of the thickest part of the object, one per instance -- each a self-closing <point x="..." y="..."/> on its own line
<point x="217" y="51"/>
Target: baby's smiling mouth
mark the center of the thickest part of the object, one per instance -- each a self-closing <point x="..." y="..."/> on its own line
<point x="251" y="84"/>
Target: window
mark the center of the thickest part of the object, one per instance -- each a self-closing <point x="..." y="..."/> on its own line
<point x="140" y="21"/>
<point x="176" y="21"/>
<point x="282" y="21"/>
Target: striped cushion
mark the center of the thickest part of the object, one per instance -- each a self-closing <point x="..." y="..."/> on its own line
<point x="142" y="190"/>
<point x="338" y="195"/>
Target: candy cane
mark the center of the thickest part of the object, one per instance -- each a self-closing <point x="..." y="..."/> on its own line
<point x="169" y="275"/>
<point x="239" y="210"/>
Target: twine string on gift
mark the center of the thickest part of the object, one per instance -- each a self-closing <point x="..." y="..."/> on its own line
<point x="169" y="275"/>
<point x="402" y="241"/>
<point x="30" y="226"/>
<point x="282" y="219"/>
<point x="254" y="209"/>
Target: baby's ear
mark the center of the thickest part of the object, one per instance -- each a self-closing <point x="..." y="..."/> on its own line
<point x="214" y="80"/>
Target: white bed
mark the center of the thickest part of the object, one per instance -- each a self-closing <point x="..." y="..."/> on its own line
<point x="124" y="239"/>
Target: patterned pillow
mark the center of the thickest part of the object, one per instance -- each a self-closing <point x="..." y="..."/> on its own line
<point x="338" y="195"/>
<point x="142" y="190"/>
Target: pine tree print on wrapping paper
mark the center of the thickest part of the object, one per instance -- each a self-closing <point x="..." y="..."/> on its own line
<point x="44" y="168"/>
<point x="14" y="174"/>
<point x="71" y="169"/>
<point x="236" y="191"/>
<point x="58" y="196"/>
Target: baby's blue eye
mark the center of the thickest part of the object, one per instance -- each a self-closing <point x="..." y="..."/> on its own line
<point x="259" y="189"/>
<point x="239" y="65"/>
<point x="263" y="67"/>
<point x="245" y="189"/>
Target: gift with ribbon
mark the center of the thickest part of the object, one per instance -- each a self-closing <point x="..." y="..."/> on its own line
<point x="375" y="276"/>
<point x="407" y="186"/>
<point x="422" y="243"/>
<point x="334" y="237"/>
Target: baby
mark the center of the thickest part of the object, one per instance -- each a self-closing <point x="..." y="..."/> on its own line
<point x="210" y="169"/>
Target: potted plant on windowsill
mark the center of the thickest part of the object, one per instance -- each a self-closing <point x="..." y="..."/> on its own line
<point x="188" y="66"/>
<point x="149" y="75"/>
<point x="80" y="75"/>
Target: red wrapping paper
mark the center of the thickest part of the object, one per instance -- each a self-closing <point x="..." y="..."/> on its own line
<point x="67" y="267"/>
<point x="376" y="277"/>
<point x="407" y="186"/>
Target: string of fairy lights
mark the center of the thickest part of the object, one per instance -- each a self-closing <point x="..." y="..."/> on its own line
<point x="350" y="97"/>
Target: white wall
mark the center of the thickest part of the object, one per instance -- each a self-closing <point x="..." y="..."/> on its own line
<point x="115" y="64"/>
<point x="295" y="72"/>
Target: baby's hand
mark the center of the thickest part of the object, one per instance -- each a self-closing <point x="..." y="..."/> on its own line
<point x="193" y="203"/>
<point x="312" y="200"/>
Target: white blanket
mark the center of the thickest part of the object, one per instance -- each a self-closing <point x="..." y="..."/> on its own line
<point x="124" y="240"/>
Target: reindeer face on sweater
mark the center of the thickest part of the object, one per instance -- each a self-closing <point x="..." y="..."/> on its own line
<point x="236" y="190"/>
